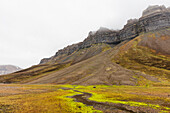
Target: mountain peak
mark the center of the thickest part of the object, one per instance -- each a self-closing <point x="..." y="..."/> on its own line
<point x="6" y="69"/>
<point x="97" y="59"/>
<point x="154" y="9"/>
<point x="154" y="18"/>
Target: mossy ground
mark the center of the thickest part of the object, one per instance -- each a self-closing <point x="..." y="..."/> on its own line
<point x="40" y="99"/>
<point x="154" y="97"/>
<point x="52" y="98"/>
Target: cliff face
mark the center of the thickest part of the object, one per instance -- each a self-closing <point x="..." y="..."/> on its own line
<point x="156" y="18"/>
<point x="153" y="18"/>
<point x="154" y="9"/>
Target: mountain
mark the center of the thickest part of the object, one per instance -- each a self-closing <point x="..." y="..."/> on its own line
<point x="138" y="54"/>
<point x="6" y="69"/>
<point x="148" y="53"/>
<point x="153" y="18"/>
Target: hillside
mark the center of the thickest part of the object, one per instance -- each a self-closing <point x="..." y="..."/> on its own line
<point x="104" y="67"/>
<point x="138" y="54"/>
<point x="143" y="64"/>
<point x="6" y="69"/>
<point x="148" y="53"/>
<point x="153" y="18"/>
<point x="40" y="70"/>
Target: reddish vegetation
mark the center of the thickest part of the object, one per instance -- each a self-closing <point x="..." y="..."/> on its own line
<point x="148" y="53"/>
<point x="158" y="41"/>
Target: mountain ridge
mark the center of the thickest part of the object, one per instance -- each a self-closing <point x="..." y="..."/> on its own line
<point x="153" y="18"/>
<point x="136" y="55"/>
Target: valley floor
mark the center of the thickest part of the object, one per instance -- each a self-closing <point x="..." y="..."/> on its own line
<point x="17" y="98"/>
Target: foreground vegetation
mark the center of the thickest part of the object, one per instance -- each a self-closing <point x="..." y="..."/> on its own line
<point x="153" y="97"/>
<point x="54" y="98"/>
<point x="38" y="99"/>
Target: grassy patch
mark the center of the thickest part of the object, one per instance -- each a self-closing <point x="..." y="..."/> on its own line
<point x="52" y="98"/>
<point x="154" y="97"/>
<point x="52" y="101"/>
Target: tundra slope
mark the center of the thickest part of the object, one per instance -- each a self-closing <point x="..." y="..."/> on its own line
<point x="100" y="59"/>
<point x="146" y="63"/>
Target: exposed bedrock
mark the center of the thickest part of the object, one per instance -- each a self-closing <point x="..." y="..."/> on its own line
<point x="153" y="18"/>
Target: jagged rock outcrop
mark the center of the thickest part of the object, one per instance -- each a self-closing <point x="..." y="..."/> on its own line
<point x="6" y="69"/>
<point x="154" y="9"/>
<point x="63" y="52"/>
<point x="153" y="18"/>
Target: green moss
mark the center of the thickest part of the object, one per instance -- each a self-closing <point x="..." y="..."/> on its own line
<point x="51" y="101"/>
<point x="129" y="95"/>
<point x="77" y="107"/>
<point x="101" y="98"/>
<point x="56" y="99"/>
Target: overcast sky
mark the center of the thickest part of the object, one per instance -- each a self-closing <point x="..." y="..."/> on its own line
<point x="34" y="29"/>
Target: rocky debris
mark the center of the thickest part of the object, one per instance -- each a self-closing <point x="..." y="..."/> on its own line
<point x="153" y="18"/>
<point x="6" y="69"/>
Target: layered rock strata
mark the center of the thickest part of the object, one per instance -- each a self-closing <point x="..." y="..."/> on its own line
<point x="153" y="18"/>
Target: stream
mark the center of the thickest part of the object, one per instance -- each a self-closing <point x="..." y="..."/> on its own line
<point x="105" y="107"/>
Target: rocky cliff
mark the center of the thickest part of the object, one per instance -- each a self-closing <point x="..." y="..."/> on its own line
<point x="6" y="69"/>
<point x="153" y="18"/>
<point x="154" y="9"/>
